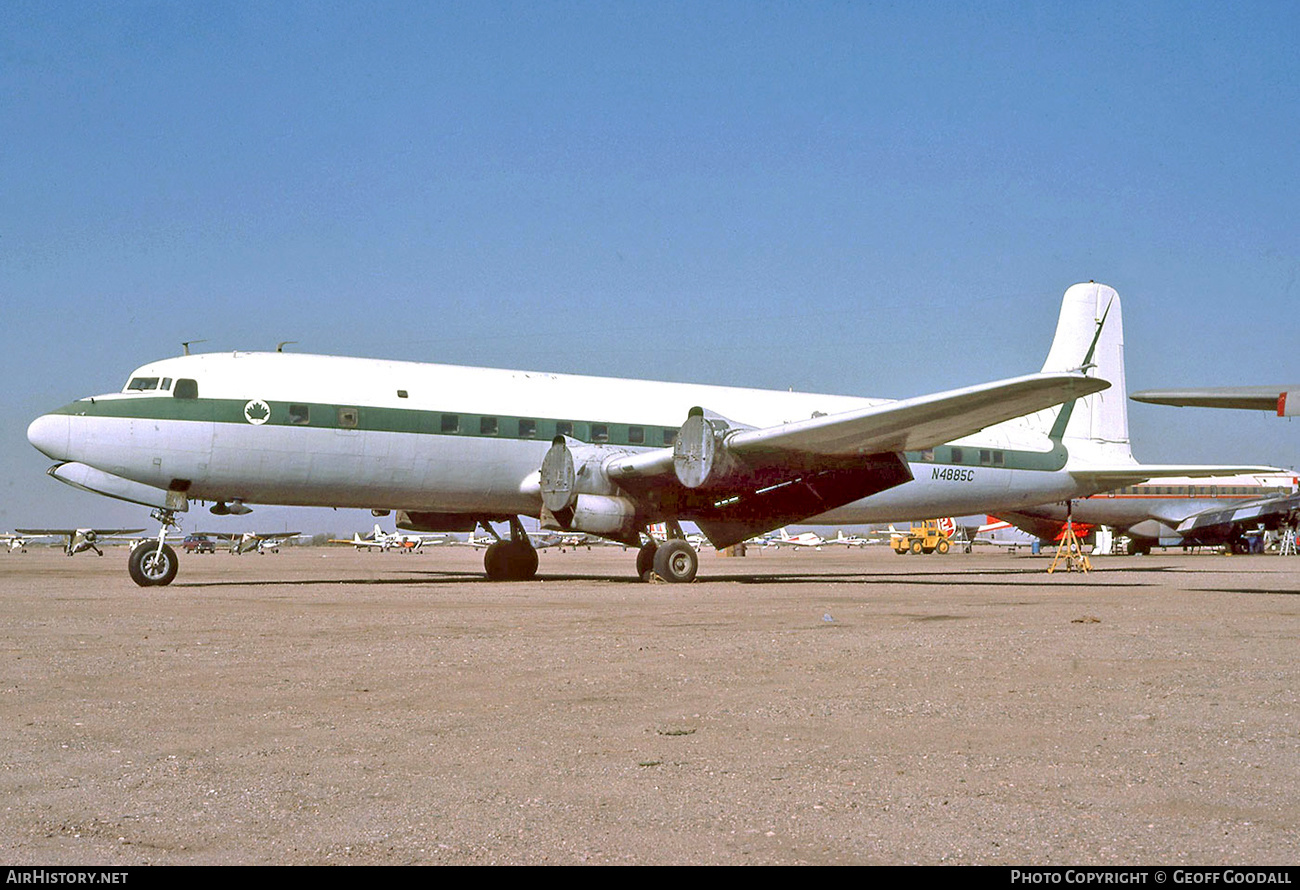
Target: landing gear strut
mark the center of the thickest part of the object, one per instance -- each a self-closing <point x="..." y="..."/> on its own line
<point x="155" y="566"/>
<point x="675" y="560"/>
<point x="512" y="560"/>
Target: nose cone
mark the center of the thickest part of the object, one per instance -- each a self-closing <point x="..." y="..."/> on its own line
<point x="49" y="433"/>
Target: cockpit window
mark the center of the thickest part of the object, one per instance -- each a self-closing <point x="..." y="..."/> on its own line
<point x="142" y="384"/>
<point x="186" y="389"/>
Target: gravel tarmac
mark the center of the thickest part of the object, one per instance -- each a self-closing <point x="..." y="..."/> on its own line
<point x="327" y="706"/>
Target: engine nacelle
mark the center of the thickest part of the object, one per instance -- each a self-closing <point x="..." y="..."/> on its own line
<point x="570" y="469"/>
<point x="699" y="451"/>
<point x="577" y="493"/>
<point x="600" y="514"/>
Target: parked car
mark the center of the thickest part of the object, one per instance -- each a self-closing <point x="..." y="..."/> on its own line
<point x="199" y="544"/>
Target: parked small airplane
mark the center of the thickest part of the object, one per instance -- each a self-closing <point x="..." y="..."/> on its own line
<point x="565" y="540"/>
<point x="991" y="532"/>
<point x="843" y="540"/>
<point x="799" y="541"/>
<point x="15" y="542"/>
<point x="455" y="448"/>
<point x="247" y="542"/>
<point x="383" y="541"/>
<point x="370" y="542"/>
<point x="79" y="540"/>
<point x="478" y="542"/>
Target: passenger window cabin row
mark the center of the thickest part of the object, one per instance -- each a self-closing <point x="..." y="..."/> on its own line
<point x="349" y="418"/>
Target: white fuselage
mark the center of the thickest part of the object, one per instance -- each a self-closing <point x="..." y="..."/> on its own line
<point x="308" y="430"/>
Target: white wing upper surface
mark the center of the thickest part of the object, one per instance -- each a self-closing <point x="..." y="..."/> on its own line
<point x="908" y="424"/>
<point x="920" y="422"/>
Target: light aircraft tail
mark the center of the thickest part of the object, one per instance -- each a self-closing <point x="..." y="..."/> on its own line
<point x="1090" y="335"/>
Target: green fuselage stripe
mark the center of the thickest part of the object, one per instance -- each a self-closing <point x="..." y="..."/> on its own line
<point x="368" y="418"/>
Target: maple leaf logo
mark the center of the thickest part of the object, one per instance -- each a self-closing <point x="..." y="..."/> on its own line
<point x="257" y="412"/>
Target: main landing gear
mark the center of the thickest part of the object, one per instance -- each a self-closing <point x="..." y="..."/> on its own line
<point x="153" y="565"/>
<point x="674" y="561"/>
<point x="513" y="559"/>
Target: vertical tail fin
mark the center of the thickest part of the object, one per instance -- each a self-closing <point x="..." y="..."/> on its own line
<point x="1090" y="335"/>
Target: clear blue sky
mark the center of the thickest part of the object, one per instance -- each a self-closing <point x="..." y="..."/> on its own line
<point x="862" y="198"/>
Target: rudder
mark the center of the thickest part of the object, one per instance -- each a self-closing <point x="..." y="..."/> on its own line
<point x="1090" y="335"/>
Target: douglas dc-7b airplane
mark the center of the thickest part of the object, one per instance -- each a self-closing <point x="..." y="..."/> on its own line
<point x="453" y="448"/>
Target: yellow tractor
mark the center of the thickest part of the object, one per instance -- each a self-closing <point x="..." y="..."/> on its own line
<point x="930" y="536"/>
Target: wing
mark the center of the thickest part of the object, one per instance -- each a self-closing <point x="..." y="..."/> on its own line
<point x="1107" y="478"/>
<point x="921" y="422"/>
<point x="1250" y="398"/>
<point x="99" y="532"/>
<point x="735" y="483"/>
<point x="1218" y="526"/>
<point x="909" y="424"/>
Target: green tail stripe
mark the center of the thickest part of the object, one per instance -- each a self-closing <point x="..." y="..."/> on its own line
<point x="1063" y="419"/>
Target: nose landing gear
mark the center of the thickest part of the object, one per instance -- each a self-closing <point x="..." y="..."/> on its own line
<point x="153" y="565"/>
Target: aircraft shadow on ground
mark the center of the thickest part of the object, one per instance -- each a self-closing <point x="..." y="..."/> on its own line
<point x="994" y="578"/>
<point x="1250" y="590"/>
